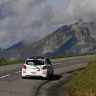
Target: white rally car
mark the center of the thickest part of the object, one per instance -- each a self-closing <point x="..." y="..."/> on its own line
<point x="37" y="66"/>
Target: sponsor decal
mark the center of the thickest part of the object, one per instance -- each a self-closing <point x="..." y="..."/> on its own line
<point x="38" y="69"/>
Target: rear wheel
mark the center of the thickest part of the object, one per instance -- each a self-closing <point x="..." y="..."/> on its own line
<point x="52" y="73"/>
<point x="23" y="77"/>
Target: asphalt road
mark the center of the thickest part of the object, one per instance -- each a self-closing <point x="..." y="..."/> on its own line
<point x="11" y="83"/>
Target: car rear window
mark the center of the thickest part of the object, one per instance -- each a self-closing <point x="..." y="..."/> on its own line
<point x="35" y="62"/>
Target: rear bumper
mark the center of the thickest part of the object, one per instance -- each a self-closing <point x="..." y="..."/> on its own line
<point x="33" y="74"/>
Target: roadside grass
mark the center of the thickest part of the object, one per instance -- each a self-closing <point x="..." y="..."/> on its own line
<point x="11" y="62"/>
<point x="83" y="83"/>
<point x="73" y="55"/>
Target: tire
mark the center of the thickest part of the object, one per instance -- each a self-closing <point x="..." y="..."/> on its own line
<point x="52" y="74"/>
<point x="24" y="77"/>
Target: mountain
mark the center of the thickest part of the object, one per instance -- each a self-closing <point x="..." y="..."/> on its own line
<point x="17" y="45"/>
<point x="79" y="37"/>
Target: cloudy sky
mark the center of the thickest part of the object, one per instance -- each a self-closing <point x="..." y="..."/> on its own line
<point x="35" y="19"/>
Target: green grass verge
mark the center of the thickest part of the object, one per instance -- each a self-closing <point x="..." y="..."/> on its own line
<point x="11" y="62"/>
<point x="73" y="55"/>
<point x="84" y="82"/>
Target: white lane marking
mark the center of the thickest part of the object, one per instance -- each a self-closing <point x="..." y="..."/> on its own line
<point x="74" y="61"/>
<point x="9" y="75"/>
<point x="18" y="72"/>
<point x="5" y="76"/>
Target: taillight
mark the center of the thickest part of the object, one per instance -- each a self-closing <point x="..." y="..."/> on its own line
<point x="44" y="67"/>
<point x="24" y="67"/>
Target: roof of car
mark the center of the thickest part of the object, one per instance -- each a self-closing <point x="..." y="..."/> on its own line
<point x="39" y="57"/>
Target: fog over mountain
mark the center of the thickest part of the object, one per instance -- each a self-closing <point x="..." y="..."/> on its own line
<point x="32" y="20"/>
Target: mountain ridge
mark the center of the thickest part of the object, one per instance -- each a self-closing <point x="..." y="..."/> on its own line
<point x="76" y="38"/>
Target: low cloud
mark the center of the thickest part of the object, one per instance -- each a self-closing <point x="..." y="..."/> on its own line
<point x="77" y="9"/>
<point x="34" y="19"/>
<point x="19" y="21"/>
<point x="86" y="10"/>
